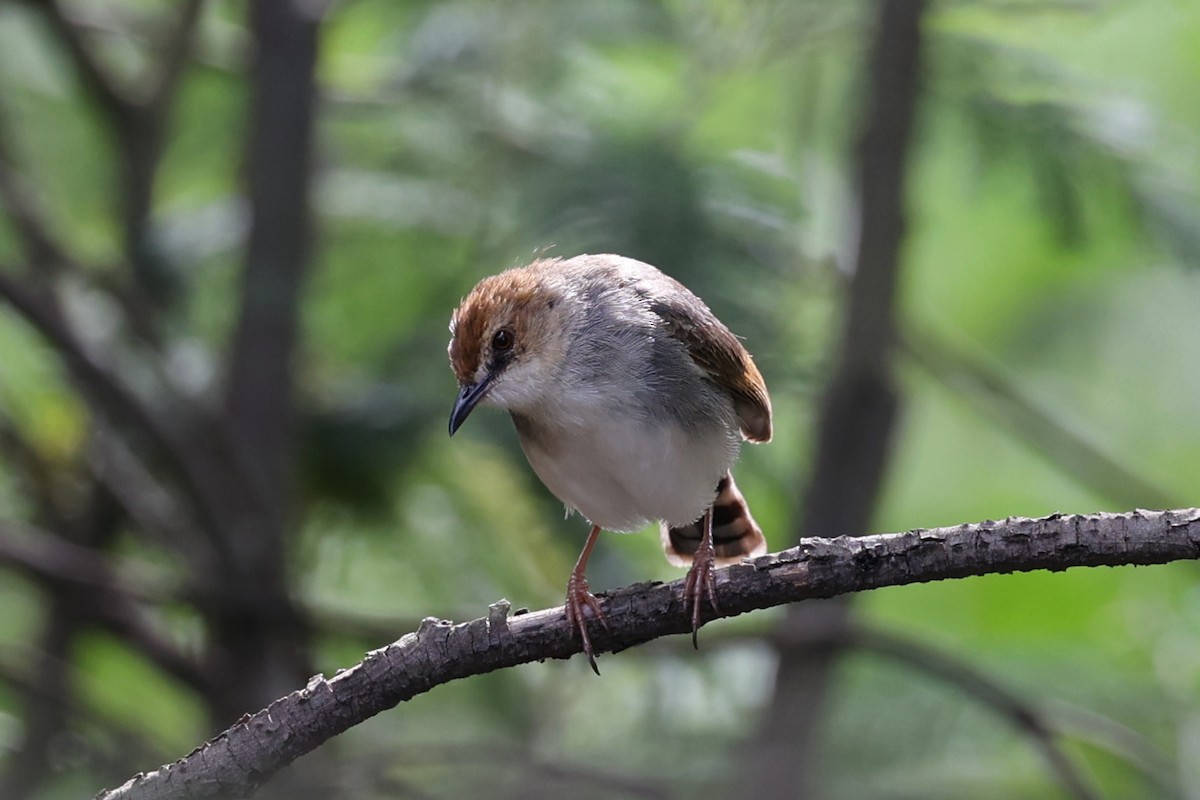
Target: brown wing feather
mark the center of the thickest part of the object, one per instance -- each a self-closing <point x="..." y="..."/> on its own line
<point x="719" y="353"/>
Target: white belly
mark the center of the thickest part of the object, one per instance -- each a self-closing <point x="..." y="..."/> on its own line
<point x="621" y="474"/>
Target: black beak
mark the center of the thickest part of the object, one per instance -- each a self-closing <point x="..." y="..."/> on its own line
<point x="468" y="398"/>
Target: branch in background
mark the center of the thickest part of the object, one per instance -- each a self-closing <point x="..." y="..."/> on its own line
<point x="239" y="760"/>
<point x="151" y="504"/>
<point x="36" y="477"/>
<point x="136" y="124"/>
<point x="1105" y="733"/>
<point x="860" y="404"/>
<point x="223" y="504"/>
<point x="260" y="637"/>
<point x="1023" y="714"/>
<point x="50" y="558"/>
<point x="221" y="469"/>
<point x="73" y="570"/>
<point x="997" y="396"/>
<point x="259" y="398"/>
<point x="47" y="253"/>
<point x="121" y="735"/>
<point x="499" y="758"/>
<point x="136" y="130"/>
<point x="140" y="144"/>
<point x="109" y="393"/>
<point x="30" y="763"/>
<point x="1046" y="721"/>
<point x="116" y="105"/>
<point x="174" y="56"/>
<point x="23" y="208"/>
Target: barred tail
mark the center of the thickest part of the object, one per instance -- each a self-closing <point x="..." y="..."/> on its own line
<point x="735" y="533"/>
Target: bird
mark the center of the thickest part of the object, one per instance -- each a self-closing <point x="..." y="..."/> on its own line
<point x="630" y="400"/>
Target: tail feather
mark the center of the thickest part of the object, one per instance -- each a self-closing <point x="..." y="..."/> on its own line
<point x="735" y="533"/>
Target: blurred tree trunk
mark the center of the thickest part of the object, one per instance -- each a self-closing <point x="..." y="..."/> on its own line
<point x="259" y="648"/>
<point x="49" y="687"/>
<point x="223" y="476"/>
<point x="858" y="410"/>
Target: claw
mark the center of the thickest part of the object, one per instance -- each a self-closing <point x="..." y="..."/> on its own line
<point x="701" y="584"/>
<point x="701" y="580"/>
<point x="579" y="597"/>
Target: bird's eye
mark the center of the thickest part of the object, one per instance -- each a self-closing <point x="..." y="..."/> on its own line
<point x="502" y="341"/>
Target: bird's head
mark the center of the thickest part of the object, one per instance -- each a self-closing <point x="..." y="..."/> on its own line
<point x="508" y="340"/>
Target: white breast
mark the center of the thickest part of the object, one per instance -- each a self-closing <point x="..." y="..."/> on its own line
<point x="622" y="473"/>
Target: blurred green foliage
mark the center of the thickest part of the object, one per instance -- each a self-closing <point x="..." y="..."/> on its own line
<point x="1053" y="238"/>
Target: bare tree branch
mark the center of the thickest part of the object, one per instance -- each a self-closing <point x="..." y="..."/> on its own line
<point x="1023" y="714"/>
<point x="153" y="505"/>
<point x="239" y="760"/>
<point x="995" y="395"/>
<point x="121" y="736"/>
<point x="136" y="113"/>
<point x="279" y="154"/>
<point x="262" y="641"/>
<point x="233" y="470"/>
<point x="50" y="558"/>
<point x="203" y="483"/>
<point x="176" y="50"/>
<point x="75" y="570"/>
<point x="23" y="206"/>
<point x="1122" y="742"/>
<point x="116" y="105"/>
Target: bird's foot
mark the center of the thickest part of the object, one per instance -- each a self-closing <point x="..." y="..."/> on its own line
<point x="579" y="598"/>
<point x="701" y="584"/>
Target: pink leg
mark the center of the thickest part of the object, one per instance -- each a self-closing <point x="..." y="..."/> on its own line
<point x="701" y="583"/>
<point x="579" y="597"/>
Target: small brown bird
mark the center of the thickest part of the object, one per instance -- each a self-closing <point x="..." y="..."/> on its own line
<point x="630" y="399"/>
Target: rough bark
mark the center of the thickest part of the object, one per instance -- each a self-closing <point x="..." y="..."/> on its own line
<point x="242" y="758"/>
